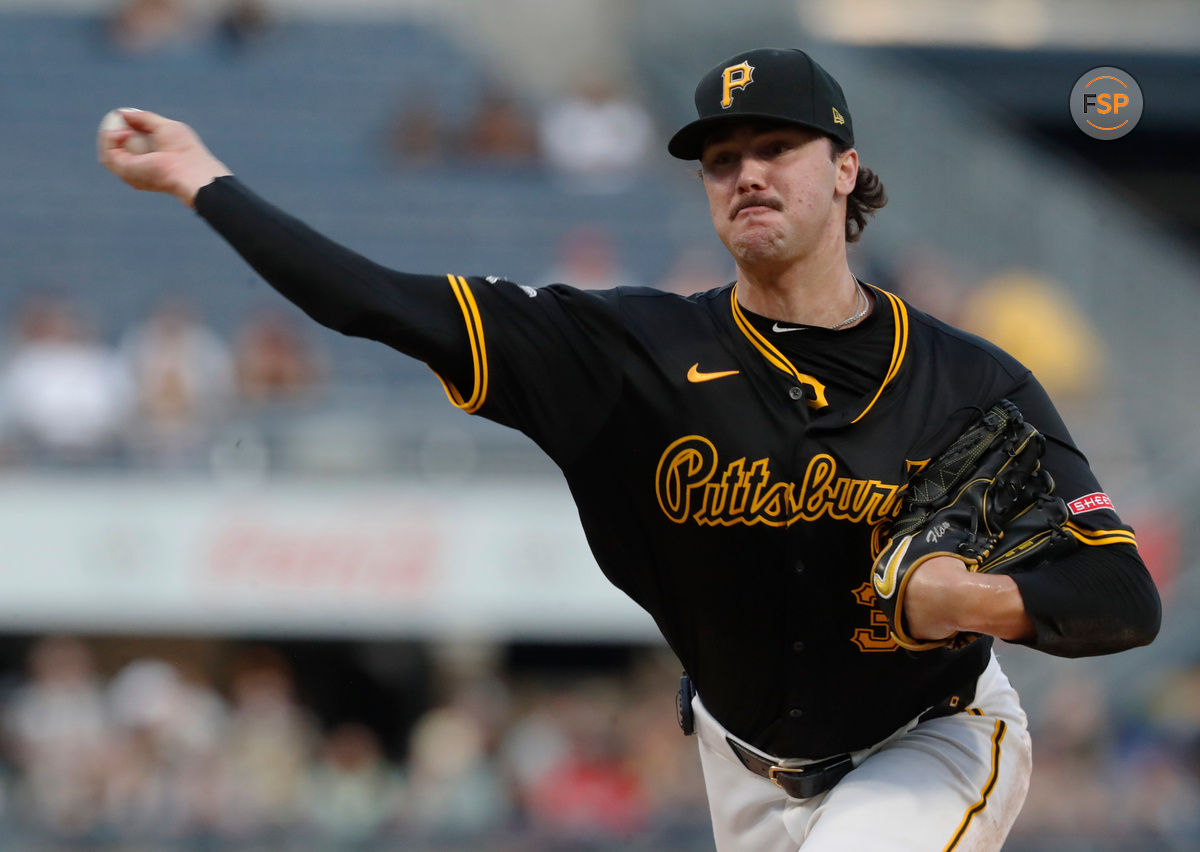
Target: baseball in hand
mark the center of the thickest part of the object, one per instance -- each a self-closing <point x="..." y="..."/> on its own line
<point x="138" y="143"/>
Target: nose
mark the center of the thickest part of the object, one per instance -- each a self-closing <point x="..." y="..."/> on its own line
<point x="751" y="175"/>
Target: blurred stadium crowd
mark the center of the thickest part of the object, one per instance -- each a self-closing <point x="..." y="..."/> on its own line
<point x="156" y="754"/>
<point x="109" y="750"/>
<point x="156" y="398"/>
<point x="142" y="752"/>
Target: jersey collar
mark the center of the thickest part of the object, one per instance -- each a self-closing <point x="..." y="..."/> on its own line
<point x="883" y="300"/>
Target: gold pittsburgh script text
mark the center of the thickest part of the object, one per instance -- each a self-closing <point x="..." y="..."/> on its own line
<point x="692" y="486"/>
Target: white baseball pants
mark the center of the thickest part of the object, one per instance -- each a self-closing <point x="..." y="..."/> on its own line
<point x="951" y="783"/>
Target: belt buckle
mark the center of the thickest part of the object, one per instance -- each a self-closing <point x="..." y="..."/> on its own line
<point x="798" y="771"/>
<point x="812" y="779"/>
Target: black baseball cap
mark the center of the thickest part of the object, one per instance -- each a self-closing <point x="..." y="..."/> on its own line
<point x="770" y="84"/>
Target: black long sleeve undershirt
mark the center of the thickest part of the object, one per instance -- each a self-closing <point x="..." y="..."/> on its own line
<point x="337" y="287"/>
<point x="1098" y="600"/>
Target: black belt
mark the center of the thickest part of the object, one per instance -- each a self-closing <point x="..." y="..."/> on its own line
<point x="799" y="782"/>
<point x="813" y="779"/>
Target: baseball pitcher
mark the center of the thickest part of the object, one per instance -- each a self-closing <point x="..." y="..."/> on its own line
<point x="829" y="501"/>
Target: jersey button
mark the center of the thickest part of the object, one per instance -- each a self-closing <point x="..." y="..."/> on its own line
<point x="796" y="393"/>
<point x="798" y="647"/>
<point x="795" y="712"/>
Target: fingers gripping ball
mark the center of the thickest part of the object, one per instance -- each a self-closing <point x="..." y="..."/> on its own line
<point x="137" y="143"/>
<point x="985" y="501"/>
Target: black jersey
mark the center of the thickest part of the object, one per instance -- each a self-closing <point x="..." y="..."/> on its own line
<point x="735" y="487"/>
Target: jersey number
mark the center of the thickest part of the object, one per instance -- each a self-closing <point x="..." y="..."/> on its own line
<point x="877" y="637"/>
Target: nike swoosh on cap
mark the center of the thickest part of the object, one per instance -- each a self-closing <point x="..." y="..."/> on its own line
<point x="694" y="375"/>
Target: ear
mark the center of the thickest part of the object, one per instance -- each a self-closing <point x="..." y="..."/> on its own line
<point x="846" y="165"/>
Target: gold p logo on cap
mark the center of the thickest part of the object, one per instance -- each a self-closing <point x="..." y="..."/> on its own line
<point x="735" y="77"/>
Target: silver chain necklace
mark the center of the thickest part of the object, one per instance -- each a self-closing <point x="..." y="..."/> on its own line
<point x="859" y="313"/>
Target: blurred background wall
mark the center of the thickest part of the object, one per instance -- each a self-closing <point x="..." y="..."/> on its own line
<point x="264" y="587"/>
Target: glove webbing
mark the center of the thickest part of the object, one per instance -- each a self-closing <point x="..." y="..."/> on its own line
<point x="942" y="475"/>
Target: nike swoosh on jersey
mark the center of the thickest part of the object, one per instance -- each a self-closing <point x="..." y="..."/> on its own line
<point x="694" y="375"/>
<point x="781" y="329"/>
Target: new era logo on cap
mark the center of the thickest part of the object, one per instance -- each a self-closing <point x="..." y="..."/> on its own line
<point x="768" y="84"/>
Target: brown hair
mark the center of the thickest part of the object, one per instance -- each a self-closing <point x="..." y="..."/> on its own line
<point x="867" y="197"/>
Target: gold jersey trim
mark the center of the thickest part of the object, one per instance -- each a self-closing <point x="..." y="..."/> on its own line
<point x="778" y="360"/>
<point x="899" y="346"/>
<point x="479" y="362"/>
<point x="988" y="787"/>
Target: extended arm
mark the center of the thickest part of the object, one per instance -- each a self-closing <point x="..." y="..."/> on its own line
<point x="503" y="354"/>
<point x="342" y="290"/>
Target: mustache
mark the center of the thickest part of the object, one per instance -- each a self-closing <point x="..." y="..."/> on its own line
<point x="756" y="201"/>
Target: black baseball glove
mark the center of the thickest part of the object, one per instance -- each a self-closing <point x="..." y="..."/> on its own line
<point x="986" y="501"/>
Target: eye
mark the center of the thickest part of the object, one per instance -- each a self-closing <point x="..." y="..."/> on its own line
<point x="719" y="159"/>
<point x="777" y="147"/>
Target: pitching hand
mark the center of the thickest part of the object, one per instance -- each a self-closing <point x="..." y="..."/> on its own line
<point x="178" y="163"/>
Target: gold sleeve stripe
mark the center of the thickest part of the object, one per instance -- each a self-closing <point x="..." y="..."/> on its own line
<point x="979" y="806"/>
<point x="1099" y="537"/>
<point x="776" y="358"/>
<point x="899" y="347"/>
<point x="479" y="365"/>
